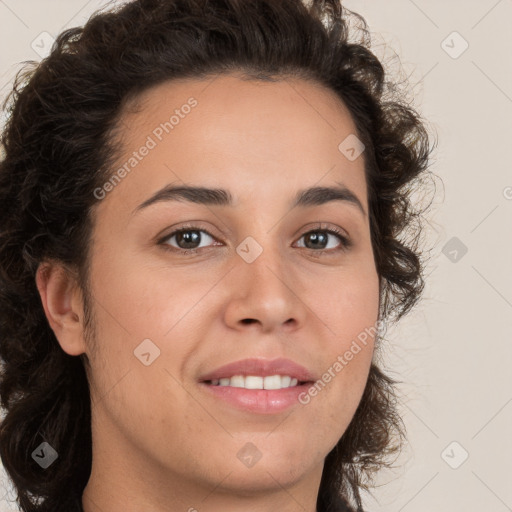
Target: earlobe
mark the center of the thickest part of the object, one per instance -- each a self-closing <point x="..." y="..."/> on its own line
<point x="58" y="289"/>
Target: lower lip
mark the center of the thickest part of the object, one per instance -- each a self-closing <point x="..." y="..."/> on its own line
<point x="262" y="401"/>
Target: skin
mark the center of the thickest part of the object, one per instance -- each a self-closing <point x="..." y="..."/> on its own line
<point x="160" y="443"/>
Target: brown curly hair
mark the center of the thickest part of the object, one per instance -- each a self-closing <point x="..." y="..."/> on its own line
<point x="58" y="148"/>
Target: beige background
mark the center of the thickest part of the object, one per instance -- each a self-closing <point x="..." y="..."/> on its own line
<point x="454" y="352"/>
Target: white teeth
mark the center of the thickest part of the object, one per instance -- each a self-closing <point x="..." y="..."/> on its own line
<point x="272" y="382"/>
<point x="285" y="381"/>
<point x="252" y="382"/>
<point x="237" y="381"/>
<point x="257" y="382"/>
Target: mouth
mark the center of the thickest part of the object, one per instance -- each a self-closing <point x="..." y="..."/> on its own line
<point x="257" y="385"/>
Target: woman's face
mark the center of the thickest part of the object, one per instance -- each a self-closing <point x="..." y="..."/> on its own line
<point x="258" y="286"/>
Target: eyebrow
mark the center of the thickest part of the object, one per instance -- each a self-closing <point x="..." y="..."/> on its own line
<point x="314" y="196"/>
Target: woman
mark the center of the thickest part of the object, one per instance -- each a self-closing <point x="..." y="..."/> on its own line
<point x="202" y="204"/>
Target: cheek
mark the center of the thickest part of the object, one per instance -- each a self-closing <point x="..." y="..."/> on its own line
<point x="347" y="306"/>
<point x="147" y="301"/>
<point x="146" y="310"/>
<point x="137" y="313"/>
<point x="346" y="302"/>
<point x="356" y="329"/>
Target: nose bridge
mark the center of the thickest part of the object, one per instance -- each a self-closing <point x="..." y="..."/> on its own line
<point x="262" y="262"/>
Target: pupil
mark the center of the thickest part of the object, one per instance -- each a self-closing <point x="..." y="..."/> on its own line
<point x="315" y="237"/>
<point x="189" y="237"/>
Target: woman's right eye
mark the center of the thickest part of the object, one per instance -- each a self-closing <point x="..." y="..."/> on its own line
<point x="186" y="239"/>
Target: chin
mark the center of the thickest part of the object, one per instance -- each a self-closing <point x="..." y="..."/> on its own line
<point x="260" y="463"/>
<point x="263" y="477"/>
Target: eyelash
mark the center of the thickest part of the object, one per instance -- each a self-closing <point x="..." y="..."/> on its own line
<point x="345" y="244"/>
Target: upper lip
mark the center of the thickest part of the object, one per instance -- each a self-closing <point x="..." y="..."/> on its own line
<point x="262" y="368"/>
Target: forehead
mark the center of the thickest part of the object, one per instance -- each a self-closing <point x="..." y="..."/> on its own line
<point x="224" y="103"/>
<point x="253" y="137"/>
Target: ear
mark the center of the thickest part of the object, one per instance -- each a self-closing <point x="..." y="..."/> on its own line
<point x="62" y="303"/>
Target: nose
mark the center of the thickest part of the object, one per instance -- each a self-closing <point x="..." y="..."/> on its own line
<point x="264" y="295"/>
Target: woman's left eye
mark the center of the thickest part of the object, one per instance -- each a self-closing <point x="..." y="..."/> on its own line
<point x="319" y="237"/>
<point x="187" y="239"/>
